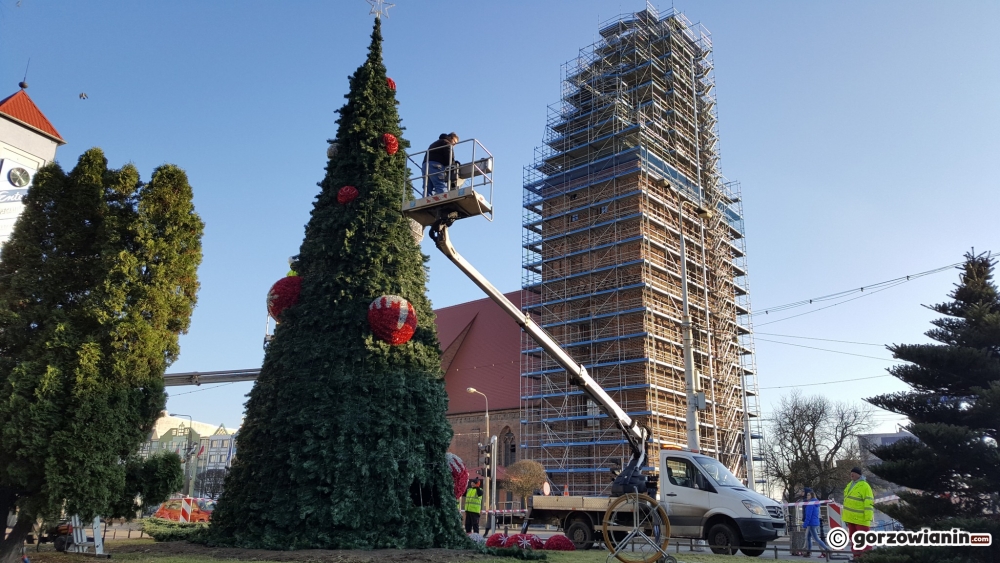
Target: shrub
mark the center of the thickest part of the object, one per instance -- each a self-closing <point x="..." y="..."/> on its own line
<point x="168" y="530"/>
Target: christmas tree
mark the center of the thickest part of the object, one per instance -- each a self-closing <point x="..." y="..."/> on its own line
<point x="954" y="410"/>
<point x="344" y="440"/>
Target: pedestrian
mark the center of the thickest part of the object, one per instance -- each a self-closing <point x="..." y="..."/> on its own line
<point x="810" y="523"/>
<point x="440" y="156"/>
<point x="859" y="507"/>
<point x="473" y="506"/>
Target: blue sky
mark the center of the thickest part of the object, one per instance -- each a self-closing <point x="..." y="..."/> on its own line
<point x="864" y="134"/>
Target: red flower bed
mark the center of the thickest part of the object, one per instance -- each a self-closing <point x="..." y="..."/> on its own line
<point x="559" y="543"/>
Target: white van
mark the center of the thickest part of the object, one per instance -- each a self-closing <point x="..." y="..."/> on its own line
<point x="703" y="501"/>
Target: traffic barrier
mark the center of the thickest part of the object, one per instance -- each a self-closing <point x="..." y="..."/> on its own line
<point x="834" y="516"/>
<point x="185" y="512"/>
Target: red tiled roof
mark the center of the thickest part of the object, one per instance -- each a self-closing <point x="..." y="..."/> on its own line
<point x="482" y="349"/>
<point x="21" y="109"/>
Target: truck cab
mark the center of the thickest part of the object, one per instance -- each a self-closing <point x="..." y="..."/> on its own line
<point x="705" y="501"/>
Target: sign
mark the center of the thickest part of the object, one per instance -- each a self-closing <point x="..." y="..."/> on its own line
<point x="15" y="179"/>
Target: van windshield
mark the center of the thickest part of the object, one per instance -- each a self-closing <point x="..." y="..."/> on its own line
<point x="718" y="472"/>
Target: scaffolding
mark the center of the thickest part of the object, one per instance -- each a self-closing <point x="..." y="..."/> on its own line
<point x="633" y="136"/>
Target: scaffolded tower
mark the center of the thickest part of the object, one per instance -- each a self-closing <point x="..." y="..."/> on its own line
<point x="632" y="139"/>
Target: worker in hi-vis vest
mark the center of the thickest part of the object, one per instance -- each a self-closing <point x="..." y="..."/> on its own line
<point x="859" y="506"/>
<point x="473" y="506"/>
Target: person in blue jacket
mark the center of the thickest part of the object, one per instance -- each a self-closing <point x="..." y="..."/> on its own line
<point x="810" y="523"/>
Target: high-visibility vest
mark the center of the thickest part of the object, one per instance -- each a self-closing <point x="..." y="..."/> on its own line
<point x="859" y="503"/>
<point x="473" y="501"/>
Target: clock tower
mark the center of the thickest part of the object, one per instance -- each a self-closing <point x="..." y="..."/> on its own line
<point x="28" y="141"/>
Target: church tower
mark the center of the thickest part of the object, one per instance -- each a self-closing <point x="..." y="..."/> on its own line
<point x="28" y="141"/>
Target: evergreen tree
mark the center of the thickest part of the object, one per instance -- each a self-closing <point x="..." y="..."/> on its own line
<point x="98" y="280"/>
<point x="954" y="410"/>
<point x="345" y="436"/>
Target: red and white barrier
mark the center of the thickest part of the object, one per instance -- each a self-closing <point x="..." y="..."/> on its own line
<point x="834" y="516"/>
<point x="504" y="512"/>
<point x="185" y="514"/>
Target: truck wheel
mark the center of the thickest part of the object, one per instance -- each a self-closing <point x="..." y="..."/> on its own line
<point x="754" y="548"/>
<point x="581" y="533"/>
<point x="723" y="539"/>
<point x="60" y="543"/>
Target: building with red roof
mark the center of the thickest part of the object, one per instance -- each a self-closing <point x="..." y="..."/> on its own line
<point x="481" y="349"/>
<point x="28" y="141"/>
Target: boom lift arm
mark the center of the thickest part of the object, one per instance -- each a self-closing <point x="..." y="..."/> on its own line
<point x="630" y="479"/>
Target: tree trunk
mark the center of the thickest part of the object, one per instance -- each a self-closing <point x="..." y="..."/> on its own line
<point x="7" y="500"/>
<point x="10" y="548"/>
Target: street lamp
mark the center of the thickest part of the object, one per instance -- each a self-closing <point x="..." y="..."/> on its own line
<point x="471" y="390"/>
<point x="491" y="486"/>
<point x="187" y="454"/>
<point x="694" y="399"/>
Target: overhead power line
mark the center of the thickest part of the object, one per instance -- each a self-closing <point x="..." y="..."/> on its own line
<point x="826" y="350"/>
<point x="823" y="339"/>
<point x="824" y="382"/>
<point x="840" y="295"/>
<point x="216" y="386"/>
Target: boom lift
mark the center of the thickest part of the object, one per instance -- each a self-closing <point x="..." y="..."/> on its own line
<point x="635" y="519"/>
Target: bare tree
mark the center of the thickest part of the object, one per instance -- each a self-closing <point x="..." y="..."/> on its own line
<point x="210" y="482"/>
<point x="806" y="438"/>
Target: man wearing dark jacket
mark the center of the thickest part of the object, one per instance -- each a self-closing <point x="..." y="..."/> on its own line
<point x="440" y="156"/>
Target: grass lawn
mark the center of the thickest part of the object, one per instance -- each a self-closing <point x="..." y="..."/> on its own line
<point x="143" y="551"/>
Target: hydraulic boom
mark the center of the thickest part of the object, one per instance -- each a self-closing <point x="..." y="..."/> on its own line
<point x="630" y="479"/>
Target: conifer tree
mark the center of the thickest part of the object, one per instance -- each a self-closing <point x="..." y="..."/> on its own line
<point x="344" y="440"/>
<point x="954" y="411"/>
<point x="97" y="281"/>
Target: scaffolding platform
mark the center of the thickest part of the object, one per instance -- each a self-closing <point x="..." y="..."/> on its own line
<point x="634" y="138"/>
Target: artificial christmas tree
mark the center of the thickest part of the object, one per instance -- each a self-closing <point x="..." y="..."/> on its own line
<point x="345" y="435"/>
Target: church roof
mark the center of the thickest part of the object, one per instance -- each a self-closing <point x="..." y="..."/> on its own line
<point x="19" y="108"/>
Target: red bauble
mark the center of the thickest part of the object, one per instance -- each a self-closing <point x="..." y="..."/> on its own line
<point x="559" y="543"/>
<point x="391" y="83"/>
<point x="346" y="195"/>
<point x="392" y="319"/>
<point x="391" y="143"/>
<point x="496" y="540"/>
<point x="459" y="474"/>
<point x="283" y="295"/>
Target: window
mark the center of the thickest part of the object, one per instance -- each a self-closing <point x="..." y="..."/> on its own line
<point x="214" y="444"/>
<point x="680" y="472"/>
<point x="509" y="453"/>
<point x="225" y="443"/>
<point x="213" y="458"/>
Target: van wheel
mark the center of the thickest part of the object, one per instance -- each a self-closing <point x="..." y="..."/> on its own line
<point x="723" y="539"/>
<point x="581" y="533"/>
<point x="754" y="548"/>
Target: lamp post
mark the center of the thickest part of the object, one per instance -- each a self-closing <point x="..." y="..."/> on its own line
<point x="187" y="454"/>
<point x="491" y="443"/>
<point x="693" y="386"/>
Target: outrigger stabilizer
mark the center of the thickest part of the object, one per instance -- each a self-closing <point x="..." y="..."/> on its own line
<point x="630" y="479"/>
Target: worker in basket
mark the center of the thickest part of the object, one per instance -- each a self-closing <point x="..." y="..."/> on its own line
<point x="440" y="165"/>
